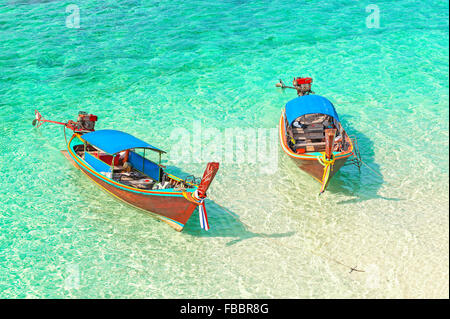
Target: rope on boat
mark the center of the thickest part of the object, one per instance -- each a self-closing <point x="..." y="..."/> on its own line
<point x="328" y="164"/>
<point x="352" y="269"/>
<point x="65" y="137"/>
<point x="379" y="174"/>
<point x="358" y="159"/>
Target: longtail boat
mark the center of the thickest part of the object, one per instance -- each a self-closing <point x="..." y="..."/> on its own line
<point x="312" y="135"/>
<point x="116" y="161"/>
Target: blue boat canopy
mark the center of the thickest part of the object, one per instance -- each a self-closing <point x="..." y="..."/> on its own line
<point x="309" y="104"/>
<point x="112" y="141"/>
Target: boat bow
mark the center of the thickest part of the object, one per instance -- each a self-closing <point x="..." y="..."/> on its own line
<point x="199" y="195"/>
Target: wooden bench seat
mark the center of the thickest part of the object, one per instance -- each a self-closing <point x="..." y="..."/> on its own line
<point x="311" y="147"/>
<point x="302" y="139"/>
<point x="309" y="136"/>
<point x="308" y="129"/>
<point x="310" y="144"/>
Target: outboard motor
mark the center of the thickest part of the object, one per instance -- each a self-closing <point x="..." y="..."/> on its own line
<point x="303" y="86"/>
<point x="84" y="123"/>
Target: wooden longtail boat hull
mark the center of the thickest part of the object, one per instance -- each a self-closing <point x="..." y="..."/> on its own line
<point x="170" y="206"/>
<point x="312" y="163"/>
<point x="316" y="170"/>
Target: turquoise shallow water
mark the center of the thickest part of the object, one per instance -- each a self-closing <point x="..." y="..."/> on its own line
<point x="158" y="70"/>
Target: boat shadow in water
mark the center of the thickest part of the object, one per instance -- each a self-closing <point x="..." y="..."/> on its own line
<point x="362" y="184"/>
<point x="222" y="222"/>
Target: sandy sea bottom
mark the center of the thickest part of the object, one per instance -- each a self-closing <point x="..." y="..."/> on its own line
<point x="161" y="70"/>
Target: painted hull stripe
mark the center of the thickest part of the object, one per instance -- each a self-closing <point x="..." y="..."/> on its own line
<point x="164" y="218"/>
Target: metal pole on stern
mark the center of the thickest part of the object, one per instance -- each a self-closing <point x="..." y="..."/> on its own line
<point x="112" y="165"/>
